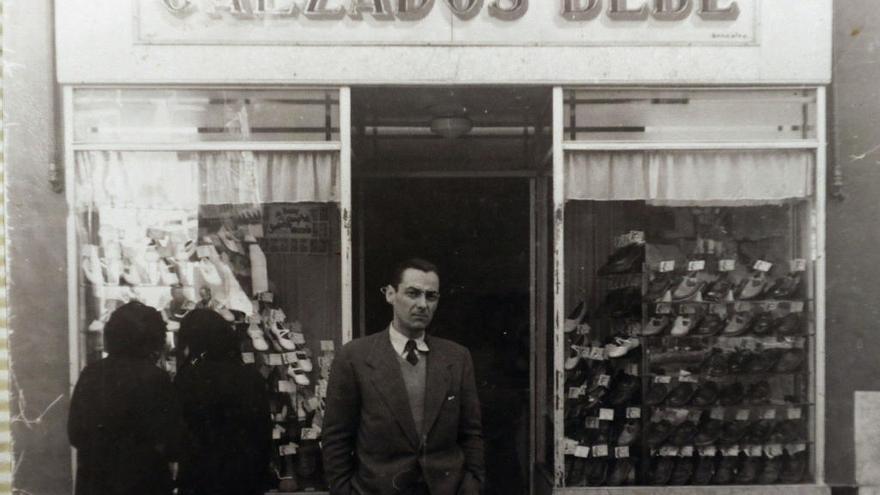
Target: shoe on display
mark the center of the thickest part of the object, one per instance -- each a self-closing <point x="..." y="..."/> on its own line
<point x="683" y="325"/>
<point x="732" y="394"/>
<point x="759" y="432"/>
<point x="596" y="471"/>
<point x="706" y="394"/>
<point x="710" y="432"/>
<point x="621" y="472"/>
<point x="627" y="259"/>
<point x="718" y="290"/>
<point x="737" y="361"/>
<point x="753" y="286"/>
<point x="298" y="375"/>
<point x="684" y="434"/>
<point x="576" y="317"/>
<point x="681" y="395"/>
<point x="764" y="361"/>
<point x="715" y="364"/>
<point x="656" y="325"/>
<point x="573" y="359"/>
<point x="302" y="357"/>
<point x="683" y="472"/>
<point x="621" y="346"/>
<point x="575" y="477"/>
<point x="738" y="325"/>
<point x="281" y="335"/>
<point x="790" y="361"/>
<point x="629" y="433"/>
<point x="734" y="431"/>
<point x="594" y="398"/>
<point x="656" y="394"/>
<point x="712" y="324"/>
<point x="704" y="471"/>
<point x="772" y="469"/>
<point x="790" y="324"/>
<point x="789" y="431"/>
<point x="689" y="286"/>
<point x="256" y="335"/>
<point x="762" y="324"/>
<point x="657" y="432"/>
<point x="659" y="286"/>
<point x="661" y="472"/>
<point x="785" y="287"/>
<point x="625" y="387"/>
<point x="794" y="468"/>
<point x="726" y="470"/>
<point x="748" y="471"/>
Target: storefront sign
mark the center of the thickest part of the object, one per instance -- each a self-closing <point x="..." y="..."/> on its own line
<point x="448" y="22"/>
<point x="297" y="228"/>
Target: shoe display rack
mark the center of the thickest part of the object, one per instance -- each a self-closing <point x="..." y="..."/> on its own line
<point x="690" y="369"/>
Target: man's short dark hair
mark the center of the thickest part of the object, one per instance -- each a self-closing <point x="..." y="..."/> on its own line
<point x="134" y="330"/>
<point x="416" y="263"/>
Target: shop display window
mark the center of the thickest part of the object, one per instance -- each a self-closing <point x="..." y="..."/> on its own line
<point x="253" y="235"/>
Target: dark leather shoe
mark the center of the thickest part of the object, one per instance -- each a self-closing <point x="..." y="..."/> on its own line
<point x="762" y="324"/>
<point x="658" y="432"/>
<point x="576" y="476"/>
<point x="759" y="432"/>
<point x="732" y="394"/>
<point x="737" y="361"/>
<point x="737" y="325"/>
<point x="629" y="433"/>
<point x="658" y="286"/>
<point x="710" y="432"/>
<point x="733" y="432"/>
<point x="717" y="290"/>
<point x="726" y="470"/>
<point x="662" y="471"/>
<point x="758" y="393"/>
<point x="656" y="394"/>
<point x="704" y="471"/>
<point x="681" y="395"/>
<point x="596" y="471"/>
<point x="625" y="388"/>
<point x="684" y="434"/>
<point x="715" y="365"/>
<point x="748" y="471"/>
<point x="627" y="259"/>
<point x="790" y="324"/>
<point x="706" y="395"/>
<point x="712" y="324"/>
<point x="620" y="473"/>
<point x="794" y="468"/>
<point x="771" y="471"/>
<point x="764" y="361"/>
<point x="683" y="472"/>
<point x="790" y="361"/>
<point x="785" y="287"/>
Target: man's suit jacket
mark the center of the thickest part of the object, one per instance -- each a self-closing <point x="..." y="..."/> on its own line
<point x="370" y="442"/>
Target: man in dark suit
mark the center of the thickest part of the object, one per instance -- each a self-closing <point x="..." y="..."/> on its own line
<point x="402" y="412"/>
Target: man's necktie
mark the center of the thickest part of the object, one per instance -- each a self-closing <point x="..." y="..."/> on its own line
<point x="410" y="352"/>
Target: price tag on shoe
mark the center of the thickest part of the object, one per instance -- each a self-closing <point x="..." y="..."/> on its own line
<point x="798" y="265"/>
<point x="708" y="451"/>
<point x="696" y="265"/>
<point x="688" y="379"/>
<point x="606" y="414"/>
<point x="312" y="404"/>
<point x="290" y="357"/>
<point x="604" y="381"/>
<point x="754" y="450"/>
<point x="277" y="431"/>
<point x="669" y="451"/>
<point x="717" y="413"/>
<point x="796" y="307"/>
<point x="793" y="413"/>
<point x="569" y="446"/>
<point x="726" y="265"/>
<point x="309" y="434"/>
<point x="743" y="415"/>
<point x="633" y="412"/>
<point x="275" y="360"/>
<point x="600" y="451"/>
<point x="288" y="449"/>
<point x="762" y="266"/>
<point x="591" y="423"/>
<point x="286" y="387"/>
<point x="667" y="266"/>
<point x="582" y="451"/>
<point x="632" y="369"/>
<point x="795" y="448"/>
<point x="575" y="392"/>
<point x="663" y="309"/>
<point x="769" y="414"/>
<point x="662" y="379"/>
<point x="248" y="357"/>
<point x="731" y="451"/>
<point x="326" y="345"/>
<point x="686" y="451"/>
<point x="621" y="452"/>
<point x="773" y="450"/>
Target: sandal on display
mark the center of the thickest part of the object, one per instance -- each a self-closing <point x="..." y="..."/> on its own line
<point x="621" y="346"/>
<point x="706" y="395"/>
<point x="688" y="287"/>
<point x="737" y="325"/>
<point x="302" y="357"/>
<point x="282" y="336"/>
<point x="298" y="375"/>
<point x="256" y="334"/>
<point x="576" y="317"/>
<point x="712" y="324"/>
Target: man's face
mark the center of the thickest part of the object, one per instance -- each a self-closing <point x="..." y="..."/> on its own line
<point x="414" y="300"/>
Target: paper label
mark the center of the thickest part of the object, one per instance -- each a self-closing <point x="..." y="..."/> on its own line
<point x="769" y="414"/>
<point x="795" y="448"/>
<point x="290" y="357"/>
<point x="773" y="450"/>
<point x="667" y="266"/>
<point x="717" y="413"/>
<point x="312" y="403"/>
<point x="267" y="297"/>
<point x="686" y="451"/>
<point x="286" y="386"/>
<point x="762" y="266"/>
<point x="321" y="388"/>
<point x="663" y="309"/>
<point x="694" y="415"/>
<point x="569" y="446"/>
<point x="770" y="306"/>
<point x="662" y="379"/>
<point x="726" y="265"/>
<point x="798" y="265"/>
<point x="289" y="449"/>
<point x="591" y="423"/>
<point x="708" y="451"/>
<point x="633" y="413"/>
<point x="621" y="452"/>
<point x="582" y="451"/>
<point x="255" y="229"/>
<point x="742" y="415"/>
<point x="606" y="414"/>
<point x="688" y="379"/>
<point x="275" y="359"/>
<point x="276" y="432"/>
<point x="668" y="451"/>
<point x="297" y="338"/>
<point x="309" y="434"/>
<point x="632" y="369"/>
<point x="326" y="345"/>
<point x="600" y="451"/>
<point x="697" y="265"/>
<point x="797" y="307"/>
<point x="794" y="413"/>
<point x="604" y="380"/>
<point x="730" y="451"/>
<point x="248" y="357"/>
<point x="575" y="392"/>
<point x="755" y="451"/>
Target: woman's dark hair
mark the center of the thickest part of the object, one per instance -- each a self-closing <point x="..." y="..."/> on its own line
<point x="134" y="330"/>
<point x="206" y="335"/>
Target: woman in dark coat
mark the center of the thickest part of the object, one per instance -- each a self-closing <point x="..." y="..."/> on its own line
<point x="226" y="409"/>
<point x="124" y="417"/>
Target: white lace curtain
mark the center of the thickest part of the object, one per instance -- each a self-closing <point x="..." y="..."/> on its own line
<point x="183" y="180"/>
<point x="690" y="178"/>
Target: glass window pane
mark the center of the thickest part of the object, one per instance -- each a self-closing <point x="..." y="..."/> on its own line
<point x="690" y="115"/>
<point x="184" y="115"/>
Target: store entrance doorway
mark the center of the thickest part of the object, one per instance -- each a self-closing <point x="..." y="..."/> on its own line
<point x="477" y="232"/>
